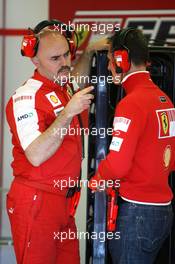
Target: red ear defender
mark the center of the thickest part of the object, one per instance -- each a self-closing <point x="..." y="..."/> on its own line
<point x="29" y="45"/>
<point x="72" y="48"/>
<point x="30" y="42"/>
<point x="73" y="44"/>
<point x="122" y="61"/>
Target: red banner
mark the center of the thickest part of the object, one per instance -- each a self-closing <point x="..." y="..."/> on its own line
<point x="66" y="10"/>
<point x="92" y="19"/>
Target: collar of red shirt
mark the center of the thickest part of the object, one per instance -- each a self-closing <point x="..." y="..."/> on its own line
<point x="46" y="81"/>
<point x="136" y="79"/>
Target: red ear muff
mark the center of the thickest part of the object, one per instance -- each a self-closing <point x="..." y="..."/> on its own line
<point x="122" y="61"/>
<point x="72" y="48"/>
<point x="30" y="42"/>
<point x="29" y="45"/>
<point x="73" y="44"/>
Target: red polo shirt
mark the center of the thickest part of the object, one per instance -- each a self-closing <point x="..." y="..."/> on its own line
<point x="30" y="111"/>
<point x="142" y="150"/>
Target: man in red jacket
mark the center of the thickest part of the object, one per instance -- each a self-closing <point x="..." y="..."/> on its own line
<point x="40" y="115"/>
<point x="141" y="154"/>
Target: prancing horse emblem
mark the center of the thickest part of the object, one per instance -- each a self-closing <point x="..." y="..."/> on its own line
<point x="165" y="123"/>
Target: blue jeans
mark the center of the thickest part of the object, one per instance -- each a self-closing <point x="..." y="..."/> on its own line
<point x="143" y="229"/>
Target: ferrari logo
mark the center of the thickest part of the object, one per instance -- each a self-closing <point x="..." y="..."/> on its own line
<point x="164" y="121"/>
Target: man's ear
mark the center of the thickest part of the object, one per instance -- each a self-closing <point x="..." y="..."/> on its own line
<point x="117" y="77"/>
<point x="35" y="61"/>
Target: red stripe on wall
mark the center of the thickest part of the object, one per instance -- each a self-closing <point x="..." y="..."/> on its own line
<point x="2" y="90"/>
<point x="12" y="32"/>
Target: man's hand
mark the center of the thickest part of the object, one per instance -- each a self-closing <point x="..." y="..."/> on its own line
<point x="79" y="102"/>
<point x="100" y="44"/>
<point x="82" y="66"/>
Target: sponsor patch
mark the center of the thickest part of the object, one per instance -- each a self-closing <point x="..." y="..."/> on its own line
<point x="23" y="97"/>
<point x="53" y="99"/>
<point x="25" y="116"/>
<point x="166" y="121"/>
<point x="116" y="144"/>
<point x="58" y="110"/>
<point x="162" y="99"/>
<point x="121" y="123"/>
<point x="167" y="156"/>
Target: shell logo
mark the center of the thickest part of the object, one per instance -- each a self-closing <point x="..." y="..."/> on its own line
<point x="54" y="99"/>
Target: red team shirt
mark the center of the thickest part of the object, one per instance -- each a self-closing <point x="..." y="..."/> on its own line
<point x="30" y="111"/>
<point x="142" y="150"/>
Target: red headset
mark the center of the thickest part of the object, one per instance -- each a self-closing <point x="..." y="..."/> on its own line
<point x="30" y="42"/>
<point x="121" y="55"/>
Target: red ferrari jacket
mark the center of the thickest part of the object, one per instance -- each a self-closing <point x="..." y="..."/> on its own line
<point x="30" y="111"/>
<point x="142" y="150"/>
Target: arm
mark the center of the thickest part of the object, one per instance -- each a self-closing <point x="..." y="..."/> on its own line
<point x="128" y="126"/>
<point x="45" y="145"/>
<point x="82" y="67"/>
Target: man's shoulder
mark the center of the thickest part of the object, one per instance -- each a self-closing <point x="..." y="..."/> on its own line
<point x="25" y="94"/>
<point x="129" y="99"/>
<point x="30" y="86"/>
<point x="131" y="105"/>
<point x="27" y="91"/>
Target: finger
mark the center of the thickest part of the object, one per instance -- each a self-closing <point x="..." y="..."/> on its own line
<point x="89" y="96"/>
<point x="87" y="102"/>
<point x="87" y="90"/>
<point x="85" y="107"/>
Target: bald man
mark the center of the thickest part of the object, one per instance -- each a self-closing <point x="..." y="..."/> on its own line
<point x="40" y="115"/>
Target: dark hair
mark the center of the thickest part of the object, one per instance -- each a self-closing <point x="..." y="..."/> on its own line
<point x="134" y="41"/>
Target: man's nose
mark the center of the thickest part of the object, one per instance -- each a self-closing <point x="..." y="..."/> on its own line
<point x="63" y="61"/>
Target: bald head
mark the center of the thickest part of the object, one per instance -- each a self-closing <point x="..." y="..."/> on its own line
<point x="53" y="56"/>
<point x="51" y="41"/>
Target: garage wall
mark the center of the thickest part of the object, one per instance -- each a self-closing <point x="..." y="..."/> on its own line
<point x="14" y="69"/>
